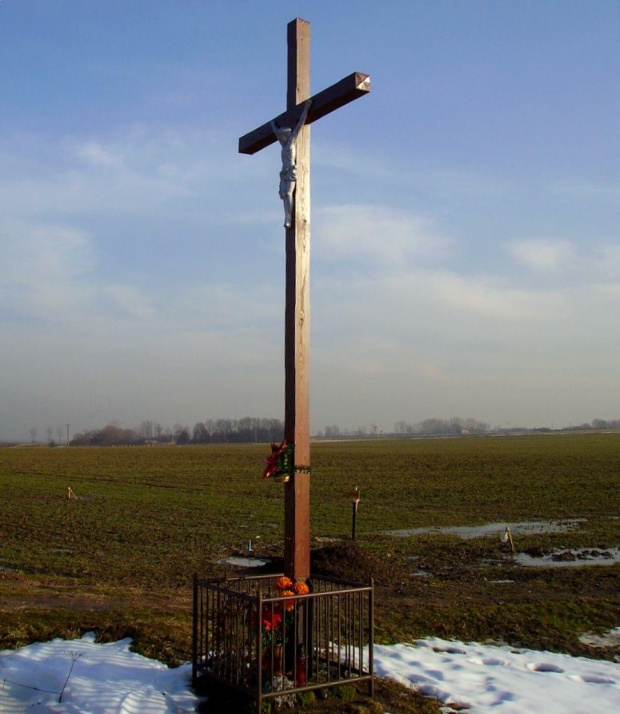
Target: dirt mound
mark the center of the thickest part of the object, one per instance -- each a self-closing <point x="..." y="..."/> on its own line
<point x="348" y="561"/>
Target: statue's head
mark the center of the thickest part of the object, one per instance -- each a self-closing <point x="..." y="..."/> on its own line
<point x="284" y="135"/>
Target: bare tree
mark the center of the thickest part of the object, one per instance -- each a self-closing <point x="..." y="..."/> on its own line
<point x="200" y="433"/>
<point x="33" y="433"/>
<point x="147" y="429"/>
<point x="181" y="434"/>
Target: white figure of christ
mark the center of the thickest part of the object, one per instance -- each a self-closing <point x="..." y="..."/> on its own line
<point x="288" y="174"/>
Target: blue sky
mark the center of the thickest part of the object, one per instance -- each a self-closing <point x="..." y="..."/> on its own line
<point x="465" y="215"/>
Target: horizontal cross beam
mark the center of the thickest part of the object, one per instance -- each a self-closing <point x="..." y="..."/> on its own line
<point x="345" y="91"/>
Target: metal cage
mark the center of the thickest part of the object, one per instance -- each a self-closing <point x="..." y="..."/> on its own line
<point x="249" y="636"/>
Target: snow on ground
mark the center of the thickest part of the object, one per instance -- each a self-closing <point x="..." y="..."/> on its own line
<point x="105" y="679"/>
<point x="109" y="679"/>
<point x="486" y="678"/>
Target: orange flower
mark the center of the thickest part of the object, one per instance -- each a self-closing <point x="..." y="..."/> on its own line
<point x="283" y="583"/>
<point x="288" y="604"/>
<point x="301" y="588"/>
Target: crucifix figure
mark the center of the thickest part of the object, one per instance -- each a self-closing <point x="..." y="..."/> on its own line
<point x="288" y="174"/>
<point x="292" y="129"/>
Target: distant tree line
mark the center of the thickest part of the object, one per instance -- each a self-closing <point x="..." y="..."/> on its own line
<point x="110" y="435"/>
<point x="211" y="431"/>
<point x="254" y="430"/>
<point x="598" y="424"/>
<point x="333" y="431"/>
<point x="451" y="427"/>
<point x="442" y="427"/>
<point x="248" y="429"/>
<point x="428" y="427"/>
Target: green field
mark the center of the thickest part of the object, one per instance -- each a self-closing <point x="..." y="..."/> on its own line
<point x="120" y="559"/>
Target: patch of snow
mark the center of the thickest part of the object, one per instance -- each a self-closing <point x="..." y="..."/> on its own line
<point x="489" y="678"/>
<point x="102" y="679"/>
<point x="608" y="639"/>
<point x="243" y="562"/>
<point x="484" y="679"/>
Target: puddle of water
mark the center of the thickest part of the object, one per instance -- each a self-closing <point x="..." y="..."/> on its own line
<point x="570" y="559"/>
<point x="4" y="569"/>
<point x="326" y="539"/>
<point x="243" y="562"/>
<point x="493" y="529"/>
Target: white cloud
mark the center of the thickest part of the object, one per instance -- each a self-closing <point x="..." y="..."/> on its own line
<point x="43" y="269"/>
<point x="607" y="261"/>
<point x="43" y="252"/>
<point x="404" y="314"/>
<point x="545" y="255"/>
<point x="132" y="301"/>
<point x="378" y="235"/>
<point x="439" y="300"/>
<point x="93" y="152"/>
<point x="489" y="298"/>
<point x="143" y="173"/>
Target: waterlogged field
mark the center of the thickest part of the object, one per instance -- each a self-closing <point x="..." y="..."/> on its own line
<point x="120" y="559"/>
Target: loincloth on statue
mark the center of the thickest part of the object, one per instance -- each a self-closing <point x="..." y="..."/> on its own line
<point x="288" y="175"/>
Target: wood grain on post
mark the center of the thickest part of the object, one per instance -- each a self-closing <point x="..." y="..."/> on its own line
<point x="297" y="320"/>
<point x="297" y="312"/>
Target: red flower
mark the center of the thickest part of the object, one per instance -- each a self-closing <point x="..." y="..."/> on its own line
<point x="272" y="461"/>
<point x="271" y="619"/>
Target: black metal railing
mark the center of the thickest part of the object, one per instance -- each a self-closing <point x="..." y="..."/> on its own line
<point x="269" y="642"/>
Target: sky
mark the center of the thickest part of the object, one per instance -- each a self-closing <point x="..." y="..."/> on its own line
<point x="465" y="214"/>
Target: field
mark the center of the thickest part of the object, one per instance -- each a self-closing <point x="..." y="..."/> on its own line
<point x="120" y="559"/>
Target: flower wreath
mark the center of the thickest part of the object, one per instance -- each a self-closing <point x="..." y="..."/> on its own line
<point x="280" y="465"/>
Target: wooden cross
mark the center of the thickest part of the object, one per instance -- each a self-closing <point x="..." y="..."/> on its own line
<point x="297" y="311"/>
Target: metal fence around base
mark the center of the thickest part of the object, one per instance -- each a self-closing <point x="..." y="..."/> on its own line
<point x="250" y="636"/>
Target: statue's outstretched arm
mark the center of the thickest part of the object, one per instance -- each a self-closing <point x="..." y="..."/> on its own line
<point x="302" y="118"/>
<point x="276" y="128"/>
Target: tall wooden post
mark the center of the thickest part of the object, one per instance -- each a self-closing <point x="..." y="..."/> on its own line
<point x="297" y="311"/>
<point x="297" y="320"/>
